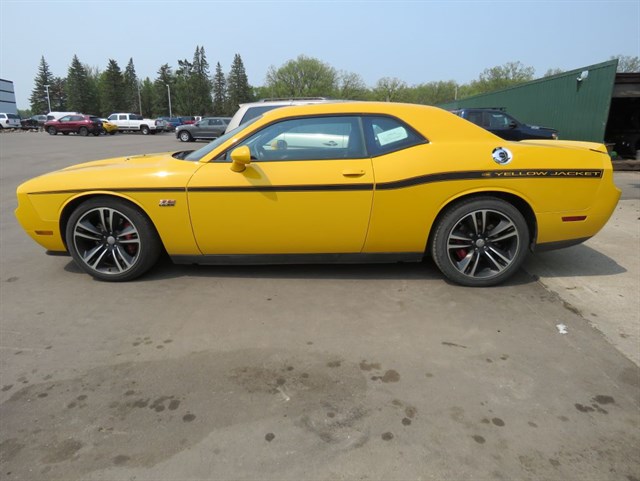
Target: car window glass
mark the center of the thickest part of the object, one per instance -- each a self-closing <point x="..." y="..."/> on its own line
<point x="122" y="117"/>
<point x="388" y="134"/>
<point x="66" y="118"/>
<point x="498" y="121"/>
<point x="201" y="152"/>
<point x="254" y="112"/>
<point x="310" y="138"/>
<point x="475" y="117"/>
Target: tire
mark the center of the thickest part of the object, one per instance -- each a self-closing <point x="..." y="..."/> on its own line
<point x="480" y="242"/>
<point x="144" y="129"/>
<point x="83" y="131"/>
<point x="185" y="136"/>
<point x="112" y="132"/>
<point x="127" y="248"/>
<point x="52" y="131"/>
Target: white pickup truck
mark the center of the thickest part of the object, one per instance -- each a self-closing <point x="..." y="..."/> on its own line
<point x="135" y="123"/>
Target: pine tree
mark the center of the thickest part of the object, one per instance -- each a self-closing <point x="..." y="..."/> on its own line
<point x="147" y="97"/>
<point x="81" y="96"/>
<point x="112" y="89"/>
<point x="42" y="82"/>
<point x="58" y="95"/>
<point x="161" y="100"/>
<point x="202" y="84"/>
<point x="131" y="88"/>
<point x="219" y="92"/>
<point x="238" y="89"/>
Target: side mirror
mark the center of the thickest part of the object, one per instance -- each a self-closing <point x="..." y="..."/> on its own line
<point x="512" y="124"/>
<point x="240" y="158"/>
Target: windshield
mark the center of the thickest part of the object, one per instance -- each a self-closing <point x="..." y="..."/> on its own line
<point x="198" y="154"/>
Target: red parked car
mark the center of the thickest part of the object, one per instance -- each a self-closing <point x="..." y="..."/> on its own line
<point x="78" y="124"/>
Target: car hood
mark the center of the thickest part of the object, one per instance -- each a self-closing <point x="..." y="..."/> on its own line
<point x="146" y="171"/>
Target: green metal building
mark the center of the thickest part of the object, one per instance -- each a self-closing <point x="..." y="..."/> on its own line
<point x="577" y="103"/>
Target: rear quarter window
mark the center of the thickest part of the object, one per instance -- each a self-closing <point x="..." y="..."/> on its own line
<point x="389" y="134"/>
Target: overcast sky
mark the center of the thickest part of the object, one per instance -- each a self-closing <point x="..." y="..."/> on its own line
<point x="415" y="41"/>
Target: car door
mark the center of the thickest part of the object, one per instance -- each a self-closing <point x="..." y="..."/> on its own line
<point x="65" y="124"/>
<point x="203" y="129"/>
<point x="309" y="200"/>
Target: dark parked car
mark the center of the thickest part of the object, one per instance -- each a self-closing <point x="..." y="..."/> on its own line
<point x="171" y="123"/>
<point x="79" y="124"/>
<point x="208" y="128"/>
<point x="498" y="122"/>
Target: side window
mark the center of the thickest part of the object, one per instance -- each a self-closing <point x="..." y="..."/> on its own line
<point x="122" y="117"/>
<point x="475" y="117"/>
<point x="310" y="138"/>
<point x="66" y="118"/>
<point x="497" y="121"/>
<point x="388" y="134"/>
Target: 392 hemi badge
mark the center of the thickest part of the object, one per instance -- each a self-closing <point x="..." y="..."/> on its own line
<point x="167" y="203"/>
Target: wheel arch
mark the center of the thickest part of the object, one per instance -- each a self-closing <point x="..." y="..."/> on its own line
<point x="518" y="202"/>
<point x="70" y="206"/>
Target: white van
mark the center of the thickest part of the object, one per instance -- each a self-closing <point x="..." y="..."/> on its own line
<point x="57" y="115"/>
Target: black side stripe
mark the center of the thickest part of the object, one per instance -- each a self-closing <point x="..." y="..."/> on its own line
<point x="398" y="184"/>
<point x="285" y="188"/>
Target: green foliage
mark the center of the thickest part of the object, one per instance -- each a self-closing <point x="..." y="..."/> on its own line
<point x="553" y="71"/>
<point x="161" y="93"/>
<point x="432" y="93"/>
<point x="238" y="88"/>
<point x="112" y="91"/>
<point x="82" y="94"/>
<point x="38" y="98"/>
<point x="390" y="89"/>
<point x="130" y="84"/>
<point x="193" y="86"/>
<point x="219" y="92"/>
<point x="627" y="63"/>
<point x="302" y="77"/>
<point x="58" y="95"/>
<point x="351" y="87"/>
<point x="501" y="77"/>
<point x="148" y="98"/>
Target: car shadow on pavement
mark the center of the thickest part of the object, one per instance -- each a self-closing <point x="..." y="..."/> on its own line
<point x="576" y="261"/>
<point x="425" y="270"/>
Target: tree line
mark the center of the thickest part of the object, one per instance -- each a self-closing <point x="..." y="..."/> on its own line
<point x="193" y="90"/>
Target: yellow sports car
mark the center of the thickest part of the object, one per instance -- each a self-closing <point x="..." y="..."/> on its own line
<point x="329" y="183"/>
<point x="108" y="127"/>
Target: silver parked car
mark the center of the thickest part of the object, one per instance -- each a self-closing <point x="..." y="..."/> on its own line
<point x="208" y="128"/>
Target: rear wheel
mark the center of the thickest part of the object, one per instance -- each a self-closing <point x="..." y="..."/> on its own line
<point x="480" y="242"/>
<point x="112" y="240"/>
<point x="52" y="131"/>
<point x="144" y="129"/>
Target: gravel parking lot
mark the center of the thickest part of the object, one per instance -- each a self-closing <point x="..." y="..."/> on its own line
<point x="313" y="372"/>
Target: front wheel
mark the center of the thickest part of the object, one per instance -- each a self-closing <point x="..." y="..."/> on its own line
<point x="112" y="240"/>
<point x="480" y="242"/>
<point x="185" y="136"/>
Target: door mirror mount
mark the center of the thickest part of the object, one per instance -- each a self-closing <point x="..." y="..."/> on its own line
<point x="240" y="158"/>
